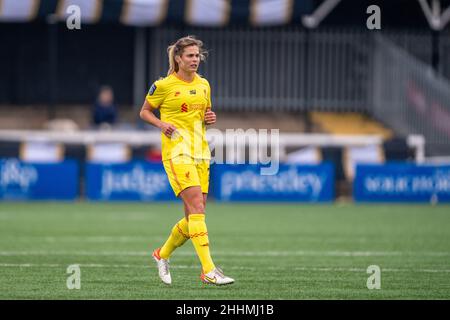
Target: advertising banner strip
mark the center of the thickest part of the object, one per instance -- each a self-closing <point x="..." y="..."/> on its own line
<point x="296" y="183"/>
<point x="402" y="182"/>
<point x="134" y="181"/>
<point x="38" y="181"/>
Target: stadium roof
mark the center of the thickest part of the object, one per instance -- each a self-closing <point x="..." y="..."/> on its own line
<point x="212" y="13"/>
<point x="219" y="13"/>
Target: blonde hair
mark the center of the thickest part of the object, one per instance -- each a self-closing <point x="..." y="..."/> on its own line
<point x="177" y="49"/>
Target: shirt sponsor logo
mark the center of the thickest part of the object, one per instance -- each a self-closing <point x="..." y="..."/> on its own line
<point x="184" y="107"/>
<point x="197" y="106"/>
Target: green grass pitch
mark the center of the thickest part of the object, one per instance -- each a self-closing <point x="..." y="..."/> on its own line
<point x="274" y="251"/>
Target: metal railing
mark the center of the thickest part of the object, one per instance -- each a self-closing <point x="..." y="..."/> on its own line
<point x="287" y="69"/>
<point x="291" y="68"/>
<point x="410" y="96"/>
<point x="277" y="69"/>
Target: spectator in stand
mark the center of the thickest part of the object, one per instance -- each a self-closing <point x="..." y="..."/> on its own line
<point x="105" y="110"/>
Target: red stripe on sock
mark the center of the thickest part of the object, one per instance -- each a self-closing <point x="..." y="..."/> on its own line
<point x="181" y="231"/>
<point x="199" y="234"/>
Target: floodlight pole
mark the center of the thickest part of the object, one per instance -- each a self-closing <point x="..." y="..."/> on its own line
<point x="437" y="22"/>
<point x="312" y="21"/>
<point x="435" y="45"/>
<point x="435" y="34"/>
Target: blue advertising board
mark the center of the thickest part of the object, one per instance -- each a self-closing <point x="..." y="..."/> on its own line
<point x="303" y="183"/>
<point x="38" y="181"/>
<point x="402" y="182"/>
<point x="133" y="181"/>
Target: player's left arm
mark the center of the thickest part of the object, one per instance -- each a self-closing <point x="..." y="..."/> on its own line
<point x="210" y="116"/>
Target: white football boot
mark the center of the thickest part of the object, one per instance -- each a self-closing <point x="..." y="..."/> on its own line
<point x="163" y="267"/>
<point x="216" y="277"/>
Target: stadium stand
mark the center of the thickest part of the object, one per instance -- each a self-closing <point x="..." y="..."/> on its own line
<point x="349" y="123"/>
<point x="266" y="71"/>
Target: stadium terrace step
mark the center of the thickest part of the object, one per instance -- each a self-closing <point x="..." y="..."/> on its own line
<point x="349" y="123"/>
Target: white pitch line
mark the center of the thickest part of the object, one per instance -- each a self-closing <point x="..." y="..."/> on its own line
<point x="235" y="253"/>
<point x="128" y="266"/>
<point x="102" y="239"/>
<point x="364" y="270"/>
<point x="113" y="239"/>
<point x="98" y="265"/>
<point x="93" y="239"/>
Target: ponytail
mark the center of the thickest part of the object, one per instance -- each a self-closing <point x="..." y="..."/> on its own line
<point x="173" y="65"/>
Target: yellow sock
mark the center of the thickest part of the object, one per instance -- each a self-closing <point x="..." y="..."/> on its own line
<point x="199" y="236"/>
<point x="178" y="236"/>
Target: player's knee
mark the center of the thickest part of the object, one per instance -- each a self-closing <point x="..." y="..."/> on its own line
<point x="199" y="207"/>
<point x="196" y="206"/>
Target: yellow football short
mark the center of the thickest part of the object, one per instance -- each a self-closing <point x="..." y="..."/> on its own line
<point x="184" y="171"/>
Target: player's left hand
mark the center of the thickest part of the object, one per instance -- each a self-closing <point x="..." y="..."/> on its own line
<point x="210" y="117"/>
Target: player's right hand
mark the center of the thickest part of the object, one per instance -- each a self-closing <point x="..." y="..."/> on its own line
<point x="168" y="129"/>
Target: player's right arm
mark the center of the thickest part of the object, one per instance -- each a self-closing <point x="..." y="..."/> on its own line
<point x="148" y="116"/>
<point x="155" y="97"/>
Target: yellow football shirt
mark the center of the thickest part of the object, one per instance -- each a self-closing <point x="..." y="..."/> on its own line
<point x="182" y="104"/>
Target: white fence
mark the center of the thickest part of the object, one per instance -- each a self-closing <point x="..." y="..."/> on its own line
<point x="283" y="141"/>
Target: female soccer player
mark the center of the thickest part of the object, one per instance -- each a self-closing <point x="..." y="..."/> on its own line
<point x="184" y="102"/>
